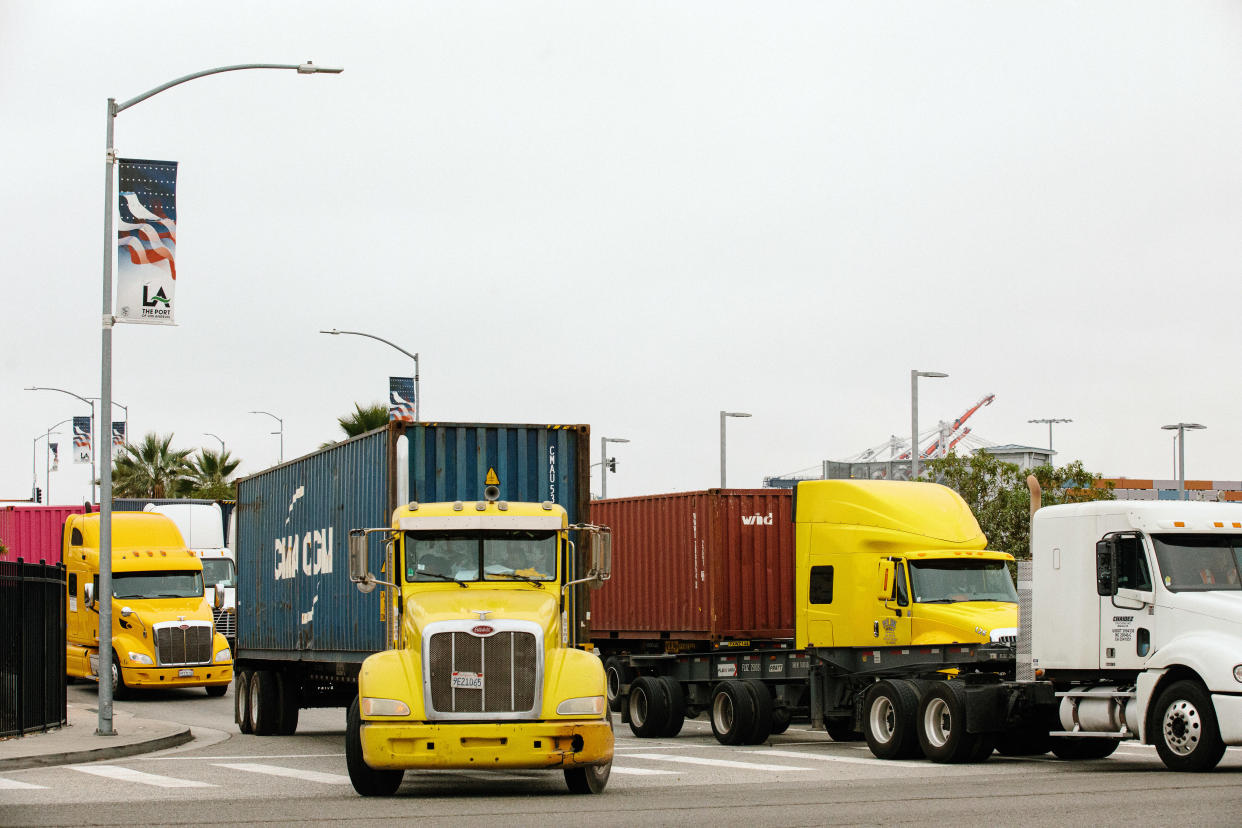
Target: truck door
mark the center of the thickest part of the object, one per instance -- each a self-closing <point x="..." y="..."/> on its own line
<point x="892" y="624"/>
<point x="1127" y="625"/>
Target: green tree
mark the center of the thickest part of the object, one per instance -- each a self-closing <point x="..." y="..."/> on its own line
<point x="997" y="493"/>
<point x="208" y="475"/>
<point x="364" y="419"/>
<point x="150" y="468"/>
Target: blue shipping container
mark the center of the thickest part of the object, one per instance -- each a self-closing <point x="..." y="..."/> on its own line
<point x="295" y="600"/>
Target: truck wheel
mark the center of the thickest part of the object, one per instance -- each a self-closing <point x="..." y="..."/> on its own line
<point x="1078" y="748"/>
<point x="761" y="724"/>
<point x="263" y="710"/>
<point x="366" y="780"/>
<point x="676" y="706"/>
<point x="648" y="707"/>
<point x="890" y="714"/>
<point x="942" y="726"/>
<point x="1186" y="732"/>
<point x="241" y="702"/>
<point x="618" y="674"/>
<point x="733" y="709"/>
<point x="216" y="690"/>
<point x="781" y="717"/>
<point x="288" y="696"/>
<point x="120" y="690"/>
<point x="592" y="779"/>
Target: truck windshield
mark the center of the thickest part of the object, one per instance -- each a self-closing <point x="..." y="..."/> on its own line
<point x="219" y="571"/>
<point x="175" y="584"/>
<point x="500" y="555"/>
<point x="1199" y="562"/>
<point x="949" y="581"/>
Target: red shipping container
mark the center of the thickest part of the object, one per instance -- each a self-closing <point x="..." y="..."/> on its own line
<point x="33" y="533"/>
<point x="713" y="565"/>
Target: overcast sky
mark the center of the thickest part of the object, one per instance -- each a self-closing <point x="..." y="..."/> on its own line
<point x="634" y="215"/>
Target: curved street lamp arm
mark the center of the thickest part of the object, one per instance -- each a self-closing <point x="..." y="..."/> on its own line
<point x="307" y="68"/>
<point x="377" y="338"/>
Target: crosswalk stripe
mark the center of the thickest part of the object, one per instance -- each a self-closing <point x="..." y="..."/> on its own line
<point x="129" y="775"/>
<point x="849" y="760"/>
<point x="642" y="771"/>
<point x="715" y="763"/>
<point x="14" y="785"/>
<point x="291" y="773"/>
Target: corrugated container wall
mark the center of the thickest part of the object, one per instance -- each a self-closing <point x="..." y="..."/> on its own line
<point x="712" y="565"/>
<point x="34" y="533"/>
<point x="293" y="522"/>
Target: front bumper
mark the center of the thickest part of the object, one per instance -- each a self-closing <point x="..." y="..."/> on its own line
<point x="569" y="744"/>
<point x="207" y="675"/>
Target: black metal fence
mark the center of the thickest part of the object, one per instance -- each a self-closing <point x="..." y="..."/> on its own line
<point x="32" y="647"/>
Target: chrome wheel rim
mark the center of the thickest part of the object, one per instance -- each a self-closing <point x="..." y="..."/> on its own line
<point x="1182" y="727"/>
<point x="883" y="719"/>
<point x="937" y="723"/>
<point x="638" y="707"/>
<point x="722" y="713"/>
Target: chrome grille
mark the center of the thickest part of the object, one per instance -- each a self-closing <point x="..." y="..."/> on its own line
<point x="179" y="643"/>
<point x="506" y="660"/>
<point x="226" y="623"/>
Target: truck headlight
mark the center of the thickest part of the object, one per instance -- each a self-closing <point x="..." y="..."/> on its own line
<point x="143" y="658"/>
<point x="384" y="707"/>
<point x="584" y="706"/>
<point x="1237" y="673"/>
<point x="224" y="655"/>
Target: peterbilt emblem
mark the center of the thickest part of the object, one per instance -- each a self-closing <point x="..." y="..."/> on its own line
<point x="183" y="626"/>
<point x="482" y="629"/>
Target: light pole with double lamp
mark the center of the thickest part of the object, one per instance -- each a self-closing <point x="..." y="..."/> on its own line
<point x="914" y="417"/>
<point x="723" y="416"/>
<point x="104" y="727"/>
<point x="1181" y="429"/>
<point x="281" y="432"/>
<point x="34" y="467"/>
<point x="603" y="466"/>
<point x="418" y="396"/>
<point x="94" y="437"/>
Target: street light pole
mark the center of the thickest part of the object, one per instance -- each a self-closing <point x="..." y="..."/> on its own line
<point x="104" y="727"/>
<point x="281" y="432"/>
<point x="723" y="415"/>
<point x="1181" y="429"/>
<point x="603" y="466"/>
<point x="418" y="395"/>
<point x="221" y="439"/>
<point x="1050" y="421"/>
<point x="94" y="437"/>
<point x="914" y="417"/>
<point x="47" y="464"/>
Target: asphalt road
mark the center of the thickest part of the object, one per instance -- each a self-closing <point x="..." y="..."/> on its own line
<point x="798" y="778"/>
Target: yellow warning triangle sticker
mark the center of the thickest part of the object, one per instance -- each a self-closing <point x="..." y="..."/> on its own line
<point x="492" y="479"/>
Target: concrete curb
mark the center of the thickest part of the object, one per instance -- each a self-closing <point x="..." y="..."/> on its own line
<point x="72" y="757"/>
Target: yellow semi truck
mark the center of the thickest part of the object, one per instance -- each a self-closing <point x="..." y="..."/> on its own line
<point x="484" y="670"/>
<point x="163" y="634"/>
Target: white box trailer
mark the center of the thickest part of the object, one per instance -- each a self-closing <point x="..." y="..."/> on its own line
<point x="202" y="527"/>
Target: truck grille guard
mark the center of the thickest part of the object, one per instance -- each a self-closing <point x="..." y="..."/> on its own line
<point x="483" y="670"/>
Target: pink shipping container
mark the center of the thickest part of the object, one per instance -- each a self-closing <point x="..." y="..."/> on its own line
<point x="33" y="533"/>
<point x="714" y="565"/>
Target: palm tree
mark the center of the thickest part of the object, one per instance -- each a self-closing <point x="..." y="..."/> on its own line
<point x="150" y="468"/>
<point x="364" y="419"/>
<point x="208" y="474"/>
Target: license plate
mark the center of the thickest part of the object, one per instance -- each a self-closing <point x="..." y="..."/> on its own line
<point x="467" y="681"/>
<point x="185" y="673"/>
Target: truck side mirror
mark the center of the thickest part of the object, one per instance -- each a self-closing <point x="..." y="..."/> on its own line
<point x="358" y="555"/>
<point x="601" y="558"/>
<point x="888" y="570"/>
<point x="1106" y="568"/>
<point x="218" y="598"/>
<point x="88" y="594"/>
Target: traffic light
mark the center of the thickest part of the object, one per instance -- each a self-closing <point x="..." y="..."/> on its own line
<point x="612" y="465"/>
<point x="38" y="495"/>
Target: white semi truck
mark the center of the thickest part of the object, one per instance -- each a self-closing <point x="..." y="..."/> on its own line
<point x="202" y="528"/>
<point x="1130" y="628"/>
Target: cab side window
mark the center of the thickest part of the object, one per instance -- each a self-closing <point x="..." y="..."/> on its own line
<point x="75" y="539"/>
<point x="1132" y="571"/>
<point x="821" y="585"/>
<point x="900" y="593"/>
<point x="72" y="585"/>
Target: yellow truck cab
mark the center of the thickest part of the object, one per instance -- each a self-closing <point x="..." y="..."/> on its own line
<point x="886" y="563"/>
<point x="163" y="634"/>
<point x="484" y="670"/>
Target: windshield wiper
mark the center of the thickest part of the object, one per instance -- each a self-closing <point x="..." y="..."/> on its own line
<point x="444" y="577"/>
<point x="939" y="601"/>
<point x="516" y="577"/>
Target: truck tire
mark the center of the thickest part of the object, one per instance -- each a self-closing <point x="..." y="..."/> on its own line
<point x="263" y="703"/>
<point x="120" y="690"/>
<point x="842" y="730"/>
<point x="288" y="696"/>
<point x="676" y="706"/>
<point x="1081" y="748"/>
<point x="942" y="726"/>
<point x="1185" y="730"/>
<point x="732" y="712"/>
<point x="890" y="720"/>
<point x="648" y="707"/>
<point x="367" y="781"/>
<point x="781" y="717"/>
<point x="761" y="724"/>
<point x="592" y="779"/>
<point x="241" y="702"/>
<point x="619" y="675"/>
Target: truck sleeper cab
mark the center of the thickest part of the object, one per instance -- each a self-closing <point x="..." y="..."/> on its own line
<point x="484" y="673"/>
<point x="163" y="633"/>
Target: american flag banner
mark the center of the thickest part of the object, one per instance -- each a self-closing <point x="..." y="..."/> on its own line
<point x="146" y="272"/>
<point x="118" y="439"/>
<point x="81" y="439"/>
<point x="402" y="407"/>
<point x="55" y="449"/>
